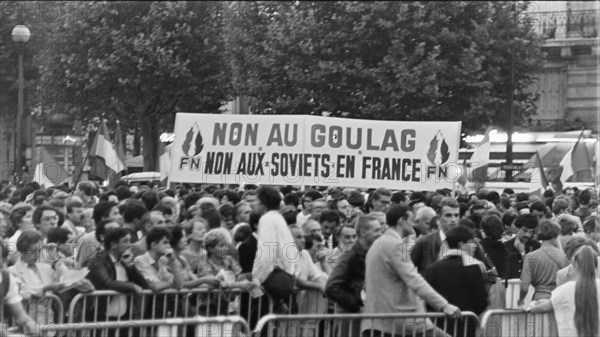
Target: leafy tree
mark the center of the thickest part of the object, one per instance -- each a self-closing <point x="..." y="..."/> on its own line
<point x="139" y="62"/>
<point x="387" y="60"/>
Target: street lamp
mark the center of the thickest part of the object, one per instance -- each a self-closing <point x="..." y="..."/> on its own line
<point x="511" y="89"/>
<point x="20" y="35"/>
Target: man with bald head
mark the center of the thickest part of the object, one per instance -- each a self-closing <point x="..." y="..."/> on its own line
<point x="157" y="219"/>
<point x="149" y="220"/>
<point x="423" y="221"/>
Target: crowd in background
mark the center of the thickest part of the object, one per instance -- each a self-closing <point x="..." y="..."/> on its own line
<point x="368" y="251"/>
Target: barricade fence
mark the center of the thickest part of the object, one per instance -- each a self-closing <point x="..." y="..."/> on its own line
<point x="230" y="326"/>
<point x="45" y="310"/>
<point x="517" y="323"/>
<point x="368" y="325"/>
<point x="513" y="291"/>
<point x="494" y="323"/>
<point x="107" y="305"/>
<point x="187" y="303"/>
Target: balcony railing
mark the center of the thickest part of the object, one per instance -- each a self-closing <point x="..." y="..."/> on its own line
<point x="541" y="125"/>
<point x="569" y="24"/>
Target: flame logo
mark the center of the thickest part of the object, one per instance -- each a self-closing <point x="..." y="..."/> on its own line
<point x="438" y="153"/>
<point x="194" y="148"/>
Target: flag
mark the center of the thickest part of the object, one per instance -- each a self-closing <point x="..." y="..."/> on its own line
<point x="164" y="161"/>
<point x="104" y="161"/>
<point x="119" y="143"/>
<point x="539" y="182"/>
<point x="48" y="172"/>
<point x="567" y="170"/>
<point x="464" y="177"/>
<point x="581" y="160"/>
<point x="480" y="160"/>
<point x="576" y="161"/>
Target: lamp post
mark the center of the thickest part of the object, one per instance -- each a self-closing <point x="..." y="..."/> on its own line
<point x="511" y="88"/>
<point x="509" y="140"/>
<point x="20" y="35"/>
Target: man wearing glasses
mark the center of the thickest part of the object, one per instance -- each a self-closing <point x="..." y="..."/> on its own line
<point x="382" y="198"/>
<point x="44" y="218"/>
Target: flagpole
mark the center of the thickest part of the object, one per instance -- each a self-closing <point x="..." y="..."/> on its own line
<point x="596" y="168"/>
<point x="87" y="156"/>
<point x="454" y="187"/>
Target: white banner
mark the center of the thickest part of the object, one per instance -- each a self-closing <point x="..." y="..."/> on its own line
<point x="312" y="150"/>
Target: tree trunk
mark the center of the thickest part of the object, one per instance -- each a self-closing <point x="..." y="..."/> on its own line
<point x="150" y="143"/>
<point x="137" y="146"/>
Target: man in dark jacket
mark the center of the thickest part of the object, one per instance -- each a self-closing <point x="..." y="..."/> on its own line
<point x="110" y="272"/>
<point x="522" y="244"/>
<point x="459" y="277"/>
<point x="426" y="250"/>
<point x="346" y="281"/>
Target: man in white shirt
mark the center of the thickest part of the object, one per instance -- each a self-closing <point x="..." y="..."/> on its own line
<point x="306" y="202"/>
<point x="276" y="247"/>
<point x="310" y="279"/>
<point x="157" y="265"/>
<point x="12" y="301"/>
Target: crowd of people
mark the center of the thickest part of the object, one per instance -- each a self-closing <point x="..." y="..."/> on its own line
<point x="367" y="251"/>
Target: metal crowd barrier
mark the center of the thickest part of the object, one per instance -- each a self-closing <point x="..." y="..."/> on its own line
<point x="310" y="301"/>
<point x="517" y="323"/>
<point x="167" y="304"/>
<point x="513" y="291"/>
<point x="365" y="325"/>
<point x="45" y="310"/>
<point x="231" y="326"/>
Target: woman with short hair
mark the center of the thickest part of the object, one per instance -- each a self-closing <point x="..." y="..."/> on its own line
<point x="541" y="265"/>
<point x="21" y="219"/>
<point x="179" y="242"/>
<point x="222" y="265"/>
<point x="569" y="228"/>
<point x="219" y="262"/>
<point x="194" y="252"/>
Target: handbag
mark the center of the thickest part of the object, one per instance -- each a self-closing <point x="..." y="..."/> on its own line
<point x="279" y="284"/>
